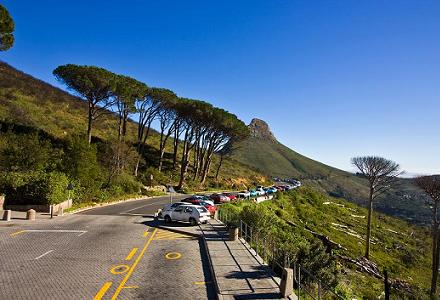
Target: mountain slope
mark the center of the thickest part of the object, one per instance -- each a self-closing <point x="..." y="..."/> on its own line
<point x="33" y="104"/>
<point x="264" y="153"/>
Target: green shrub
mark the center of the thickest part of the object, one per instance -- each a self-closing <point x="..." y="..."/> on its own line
<point x="159" y="178"/>
<point x="35" y="188"/>
<point x="27" y="152"/>
<point x="125" y="184"/>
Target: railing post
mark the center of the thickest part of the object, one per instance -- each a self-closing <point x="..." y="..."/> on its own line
<point x="295" y="278"/>
<point x="319" y="289"/>
<point x="241" y="228"/>
<point x="250" y="241"/>
<point x="299" y="281"/>
<point x="264" y="250"/>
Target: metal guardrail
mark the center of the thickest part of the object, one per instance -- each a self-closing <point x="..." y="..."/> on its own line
<point x="307" y="285"/>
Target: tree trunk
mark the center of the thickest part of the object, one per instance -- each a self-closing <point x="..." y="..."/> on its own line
<point x="387" y="285"/>
<point x="370" y="212"/>
<point x="435" y="250"/>
<point x="176" y="146"/>
<point x="206" y="167"/>
<point x="141" y="148"/>
<point x="89" y="123"/>
<point x="219" y="166"/>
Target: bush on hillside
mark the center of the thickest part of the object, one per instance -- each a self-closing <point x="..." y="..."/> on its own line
<point x="81" y="163"/>
<point x="125" y="184"/>
<point x="35" y="188"/>
<point x="27" y="152"/>
<point x="159" y="178"/>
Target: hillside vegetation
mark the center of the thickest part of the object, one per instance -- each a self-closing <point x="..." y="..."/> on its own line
<point x="403" y="249"/>
<point x="264" y="153"/>
<point x="49" y="120"/>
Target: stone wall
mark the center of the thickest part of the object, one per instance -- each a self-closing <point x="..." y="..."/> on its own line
<point x="40" y="208"/>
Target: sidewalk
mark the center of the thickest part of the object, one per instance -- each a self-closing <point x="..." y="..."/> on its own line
<point x="238" y="273"/>
<point x="19" y="217"/>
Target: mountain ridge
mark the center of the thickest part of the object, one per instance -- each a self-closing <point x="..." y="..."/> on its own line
<point x="264" y="153"/>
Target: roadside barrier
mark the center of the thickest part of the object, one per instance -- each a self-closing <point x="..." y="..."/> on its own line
<point x="306" y="285"/>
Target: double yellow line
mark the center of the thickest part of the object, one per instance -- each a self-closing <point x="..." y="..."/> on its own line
<point x="122" y="285"/>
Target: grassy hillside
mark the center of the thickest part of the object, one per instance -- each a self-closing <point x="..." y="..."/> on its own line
<point x="274" y="159"/>
<point x="403" y="249"/>
<point x="28" y="103"/>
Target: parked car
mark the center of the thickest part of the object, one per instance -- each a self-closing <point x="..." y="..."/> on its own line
<point x="194" y="214"/>
<point x="253" y="193"/>
<point x="219" y="198"/>
<point x="274" y="189"/>
<point x="260" y="191"/>
<point x="289" y="187"/>
<point x="209" y="205"/>
<point x="231" y="196"/>
<point x="169" y="207"/>
<point x="194" y="199"/>
<point x="244" y="194"/>
<point x="271" y="190"/>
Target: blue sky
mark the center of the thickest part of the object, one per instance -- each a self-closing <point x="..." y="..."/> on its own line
<point x="334" y="79"/>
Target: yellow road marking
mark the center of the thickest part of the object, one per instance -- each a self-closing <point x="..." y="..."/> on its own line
<point x="173" y="238"/>
<point x="124" y="281"/>
<point x="120" y="269"/>
<point x="202" y="282"/>
<point x="102" y="291"/>
<point x="146" y="233"/>
<point x="173" y="255"/>
<point x="170" y="235"/>
<point x="131" y="254"/>
<point x="18" y="232"/>
<point x="130" y="287"/>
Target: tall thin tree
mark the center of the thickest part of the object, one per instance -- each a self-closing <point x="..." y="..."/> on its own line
<point x="92" y="83"/>
<point x="380" y="173"/>
<point x="431" y="186"/>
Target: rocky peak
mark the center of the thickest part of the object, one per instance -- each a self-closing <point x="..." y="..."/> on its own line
<point x="260" y="130"/>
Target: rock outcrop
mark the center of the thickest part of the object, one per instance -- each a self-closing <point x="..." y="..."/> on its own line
<point x="260" y="130"/>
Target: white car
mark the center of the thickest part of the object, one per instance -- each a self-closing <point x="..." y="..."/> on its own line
<point x="194" y="214"/>
<point x="244" y="194"/>
<point x="260" y="191"/>
<point x="169" y="207"/>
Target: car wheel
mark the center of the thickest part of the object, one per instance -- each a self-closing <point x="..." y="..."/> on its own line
<point x="167" y="219"/>
<point x="192" y="221"/>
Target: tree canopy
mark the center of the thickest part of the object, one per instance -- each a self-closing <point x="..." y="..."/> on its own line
<point x="7" y="27"/>
<point x="380" y="173"/>
<point x="94" y="84"/>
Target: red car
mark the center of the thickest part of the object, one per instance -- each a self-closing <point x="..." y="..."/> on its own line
<point x="192" y="200"/>
<point x="219" y="198"/>
<point x="197" y="201"/>
<point x="231" y="196"/>
<point x="211" y="208"/>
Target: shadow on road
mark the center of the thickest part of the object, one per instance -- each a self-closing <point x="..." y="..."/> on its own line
<point x="186" y="228"/>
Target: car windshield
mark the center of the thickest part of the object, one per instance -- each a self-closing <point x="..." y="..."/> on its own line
<point x="202" y="209"/>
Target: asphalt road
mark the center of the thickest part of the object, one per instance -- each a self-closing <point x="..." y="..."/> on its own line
<point x="112" y="252"/>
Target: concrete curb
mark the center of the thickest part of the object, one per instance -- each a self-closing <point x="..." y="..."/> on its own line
<point x="108" y="204"/>
<point x="219" y="296"/>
